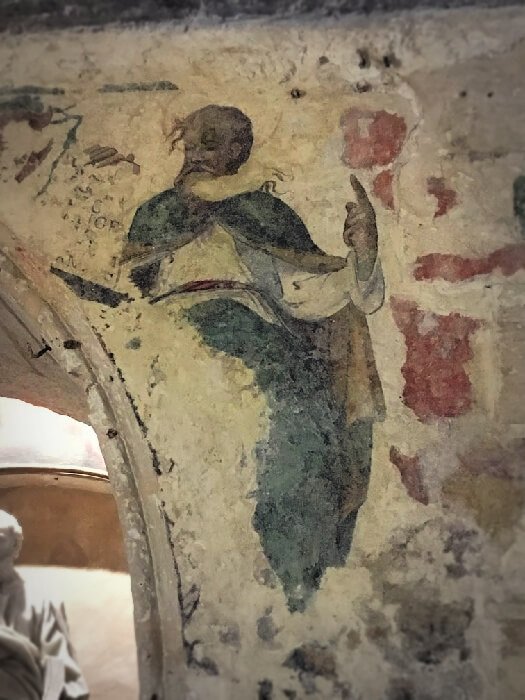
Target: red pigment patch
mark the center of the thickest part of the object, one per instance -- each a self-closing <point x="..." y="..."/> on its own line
<point x="455" y="268"/>
<point x="371" y="138"/>
<point x="436" y="383"/>
<point x="411" y="476"/>
<point x="382" y="188"/>
<point x="446" y="197"/>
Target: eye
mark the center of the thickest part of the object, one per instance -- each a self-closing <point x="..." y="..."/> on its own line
<point x="209" y="139"/>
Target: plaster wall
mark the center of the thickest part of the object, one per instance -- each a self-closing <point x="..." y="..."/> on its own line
<point x="429" y="603"/>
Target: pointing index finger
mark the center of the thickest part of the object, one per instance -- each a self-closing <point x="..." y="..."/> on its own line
<point x="360" y="191"/>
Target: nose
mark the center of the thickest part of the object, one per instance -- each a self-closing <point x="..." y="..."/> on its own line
<point x="193" y="155"/>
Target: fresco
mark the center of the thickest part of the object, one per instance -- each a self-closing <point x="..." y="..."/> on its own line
<point x="305" y="273"/>
<point x="298" y="321"/>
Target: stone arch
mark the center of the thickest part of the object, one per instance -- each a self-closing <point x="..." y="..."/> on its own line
<point x="38" y="322"/>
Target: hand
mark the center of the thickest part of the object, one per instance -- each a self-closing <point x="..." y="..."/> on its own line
<point x="360" y="231"/>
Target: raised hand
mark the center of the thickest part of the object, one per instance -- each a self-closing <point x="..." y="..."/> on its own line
<point x="360" y="230"/>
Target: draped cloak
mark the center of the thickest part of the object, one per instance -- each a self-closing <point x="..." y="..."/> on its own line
<point x="320" y="376"/>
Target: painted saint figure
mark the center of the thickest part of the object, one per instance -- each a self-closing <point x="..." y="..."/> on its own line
<point x="298" y="321"/>
<point x="37" y="661"/>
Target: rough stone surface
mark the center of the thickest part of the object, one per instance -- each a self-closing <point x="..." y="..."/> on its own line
<point x="30" y="15"/>
<point x="429" y="602"/>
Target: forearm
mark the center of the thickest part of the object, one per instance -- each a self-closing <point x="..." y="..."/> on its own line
<point x="366" y="294"/>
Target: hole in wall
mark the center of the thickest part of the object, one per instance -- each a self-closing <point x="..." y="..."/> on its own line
<point x="364" y="58"/>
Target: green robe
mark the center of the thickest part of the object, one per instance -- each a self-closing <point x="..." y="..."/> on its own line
<point x="313" y="467"/>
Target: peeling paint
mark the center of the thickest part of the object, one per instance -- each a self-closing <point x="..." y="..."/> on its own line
<point x="382" y="188"/>
<point x="436" y="381"/>
<point x="445" y="196"/>
<point x="372" y="137"/>
<point x="411" y="475"/>
<point x="426" y="604"/>
<point x="457" y="268"/>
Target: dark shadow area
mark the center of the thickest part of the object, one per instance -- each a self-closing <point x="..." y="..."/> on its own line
<point x="29" y="15"/>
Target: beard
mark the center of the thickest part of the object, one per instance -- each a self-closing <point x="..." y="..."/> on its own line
<point x="195" y="165"/>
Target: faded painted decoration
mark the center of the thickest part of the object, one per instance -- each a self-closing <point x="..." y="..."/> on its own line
<point x="296" y="318"/>
<point x="301" y="251"/>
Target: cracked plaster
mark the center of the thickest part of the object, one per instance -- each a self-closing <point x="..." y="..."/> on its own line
<point x="426" y="606"/>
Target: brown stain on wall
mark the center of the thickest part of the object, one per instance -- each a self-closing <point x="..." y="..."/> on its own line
<point x="32" y="162"/>
<point x="496" y="504"/>
<point x="411" y="475"/>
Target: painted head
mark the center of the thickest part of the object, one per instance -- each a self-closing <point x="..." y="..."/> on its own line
<point x="10" y="538"/>
<point x="217" y="140"/>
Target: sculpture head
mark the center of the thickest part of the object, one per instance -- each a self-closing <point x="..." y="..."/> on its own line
<point x="10" y="538"/>
<point x="217" y="140"/>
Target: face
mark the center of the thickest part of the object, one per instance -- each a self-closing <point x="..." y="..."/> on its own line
<point x="209" y="146"/>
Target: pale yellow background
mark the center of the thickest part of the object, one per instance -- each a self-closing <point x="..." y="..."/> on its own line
<point x="203" y="410"/>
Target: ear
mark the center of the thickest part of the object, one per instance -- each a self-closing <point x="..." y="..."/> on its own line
<point x="235" y="149"/>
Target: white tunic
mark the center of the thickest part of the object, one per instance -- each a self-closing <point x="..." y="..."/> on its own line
<point x="302" y="295"/>
<point x="313" y="297"/>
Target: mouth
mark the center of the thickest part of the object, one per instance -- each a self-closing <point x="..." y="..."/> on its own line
<point x="195" y="166"/>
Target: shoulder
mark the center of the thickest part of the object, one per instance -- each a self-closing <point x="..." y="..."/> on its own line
<point x="163" y="200"/>
<point x="262" y="217"/>
<point x="158" y="216"/>
<point x="260" y="204"/>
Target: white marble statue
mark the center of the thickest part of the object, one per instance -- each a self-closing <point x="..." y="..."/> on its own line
<point x="36" y="657"/>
